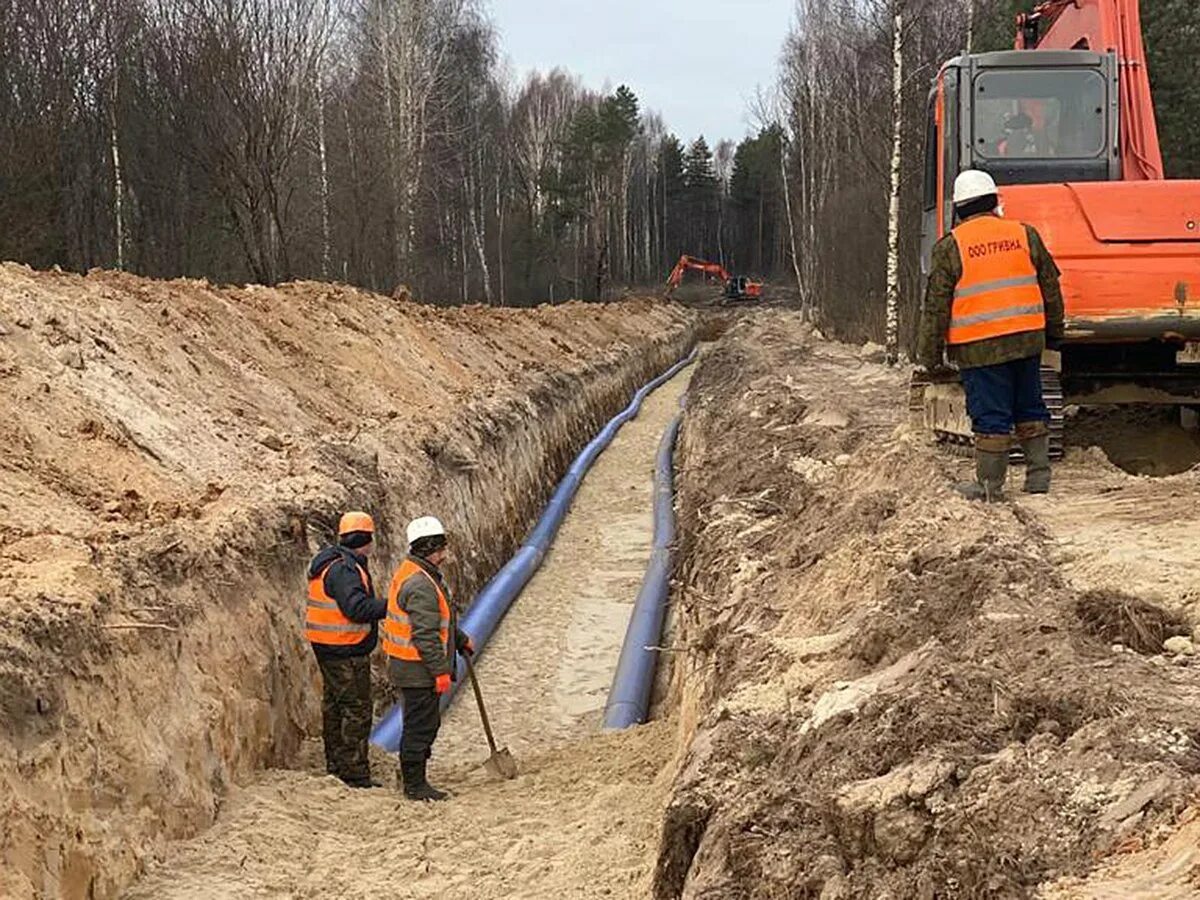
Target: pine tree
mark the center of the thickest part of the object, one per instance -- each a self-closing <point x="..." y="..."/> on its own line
<point x="672" y="197"/>
<point x="701" y="196"/>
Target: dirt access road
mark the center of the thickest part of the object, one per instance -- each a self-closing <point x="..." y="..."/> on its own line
<point x="580" y="821"/>
<point x="899" y="694"/>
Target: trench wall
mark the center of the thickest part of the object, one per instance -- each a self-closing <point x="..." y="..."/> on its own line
<point x="181" y="452"/>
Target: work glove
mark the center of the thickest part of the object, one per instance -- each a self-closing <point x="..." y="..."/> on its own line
<point x="441" y="684"/>
<point x="935" y="373"/>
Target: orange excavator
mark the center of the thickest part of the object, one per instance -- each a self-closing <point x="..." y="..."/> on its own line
<point x="1065" y="124"/>
<point x="737" y="287"/>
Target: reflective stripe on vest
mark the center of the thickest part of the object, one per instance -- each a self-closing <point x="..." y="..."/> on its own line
<point x="396" y="633"/>
<point x="998" y="293"/>
<point x="324" y="622"/>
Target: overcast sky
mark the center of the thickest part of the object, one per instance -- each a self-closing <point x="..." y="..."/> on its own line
<point x="697" y="62"/>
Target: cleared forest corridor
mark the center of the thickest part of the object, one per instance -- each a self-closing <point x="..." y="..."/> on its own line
<point x="581" y="819"/>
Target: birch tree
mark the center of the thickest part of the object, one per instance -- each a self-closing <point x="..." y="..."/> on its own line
<point x="893" y="245"/>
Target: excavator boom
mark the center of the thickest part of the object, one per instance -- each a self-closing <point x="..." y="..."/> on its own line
<point x="710" y="269"/>
<point x="1106" y="26"/>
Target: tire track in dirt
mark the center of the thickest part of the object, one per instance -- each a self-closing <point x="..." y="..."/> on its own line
<point x="580" y="821"/>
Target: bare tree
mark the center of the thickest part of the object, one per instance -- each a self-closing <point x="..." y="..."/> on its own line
<point x="241" y="74"/>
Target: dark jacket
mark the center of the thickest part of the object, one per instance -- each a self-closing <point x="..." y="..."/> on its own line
<point x="944" y="273"/>
<point x="343" y="584"/>
<point x="418" y="598"/>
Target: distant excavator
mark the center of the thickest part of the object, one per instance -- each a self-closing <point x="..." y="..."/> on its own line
<point x="1065" y="124"/>
<point x="737" y="287"/>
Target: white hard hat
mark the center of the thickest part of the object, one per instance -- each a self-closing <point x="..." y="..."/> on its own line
<point x="973" y="184"/>
<point x="426" y="526"/>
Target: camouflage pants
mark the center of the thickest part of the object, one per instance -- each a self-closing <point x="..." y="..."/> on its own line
<point x="346" y="714"/>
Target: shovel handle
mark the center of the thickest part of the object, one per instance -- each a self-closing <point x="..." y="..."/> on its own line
<point x="487" y="725"/>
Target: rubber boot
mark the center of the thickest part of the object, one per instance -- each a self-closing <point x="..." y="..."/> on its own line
<point x="412" y="774"/>
<point x="1037" y="464"/>
<point x="991" y="468"/>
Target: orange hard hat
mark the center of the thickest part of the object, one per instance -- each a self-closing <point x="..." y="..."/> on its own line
<point x="356" y="521"/>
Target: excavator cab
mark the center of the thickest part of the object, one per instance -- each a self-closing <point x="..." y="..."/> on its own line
<point x="1048" y="117"/>
<point x="739" y="287"/>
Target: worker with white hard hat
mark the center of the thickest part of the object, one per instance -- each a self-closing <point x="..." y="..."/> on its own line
<point x="421" y="637"/>
<point x="993" y="304"/>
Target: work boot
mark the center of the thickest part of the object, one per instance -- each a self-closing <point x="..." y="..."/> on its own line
<point x="412" y="775"/>
<point x="361" y="782"/>
<point x="1037" y="464"/>
<point x="1034" y="438"/>
<point x="991" y="468"/>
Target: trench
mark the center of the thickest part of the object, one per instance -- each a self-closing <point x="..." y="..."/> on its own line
<point x="581" y="819"/>
<point x="177" y="673"/>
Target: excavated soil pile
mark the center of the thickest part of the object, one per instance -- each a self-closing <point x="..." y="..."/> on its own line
<point x="889" y="692"/>
<point x="174" y="454"/>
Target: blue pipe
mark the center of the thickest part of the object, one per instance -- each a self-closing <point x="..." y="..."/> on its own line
<point x="493" y="602"/>
<point x="629" y="698"/>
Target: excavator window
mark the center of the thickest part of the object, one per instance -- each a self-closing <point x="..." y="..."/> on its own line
<point x="1039" y="114"/>
<point x="931" y="157"/>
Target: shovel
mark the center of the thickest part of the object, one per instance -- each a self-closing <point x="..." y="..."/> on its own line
<point x="501" y="762"/>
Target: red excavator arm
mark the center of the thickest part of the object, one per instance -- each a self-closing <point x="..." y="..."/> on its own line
<point x="1104" y="26"/>
<point x="710" y="270"/>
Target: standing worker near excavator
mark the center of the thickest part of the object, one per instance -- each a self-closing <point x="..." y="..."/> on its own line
<point x="993" y="302"/>
<point x="421" y="637"/>
<point x="341" y="623"/>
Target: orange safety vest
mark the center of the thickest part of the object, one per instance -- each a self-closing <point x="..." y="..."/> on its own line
<point x="397" y="627"/>
<point x="998" y="293"/>
<point x="324" y="622"/>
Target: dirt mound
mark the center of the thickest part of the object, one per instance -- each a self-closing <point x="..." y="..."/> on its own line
<point x="891" y="692"/>
<point x="175" y="452"/>
<point x="1133" y="622"/>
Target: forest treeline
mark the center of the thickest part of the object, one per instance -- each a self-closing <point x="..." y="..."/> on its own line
<point x="380" y="143"/>
<point x="369" y="141"/>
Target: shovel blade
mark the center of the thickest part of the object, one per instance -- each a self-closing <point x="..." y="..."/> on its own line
<point x="502" y="765"/>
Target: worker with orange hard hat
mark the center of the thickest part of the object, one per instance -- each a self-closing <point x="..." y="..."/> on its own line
<point x="342" y="624"/>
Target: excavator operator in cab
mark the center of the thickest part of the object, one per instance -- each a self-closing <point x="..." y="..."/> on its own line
<point x="1018" y="137"/>
<point x="993" y="302"/>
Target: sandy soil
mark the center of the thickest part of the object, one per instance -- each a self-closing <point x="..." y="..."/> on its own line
<point x="892" y="693"/>
<point x="175" y="453"/>
<point x="581" y="819"/>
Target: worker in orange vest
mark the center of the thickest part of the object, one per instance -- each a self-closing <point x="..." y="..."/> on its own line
<point x="420" y="637"/>
<point x="341" y="623"/>
<point x="993" y="303"/>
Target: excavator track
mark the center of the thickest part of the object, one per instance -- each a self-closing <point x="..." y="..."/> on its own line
<point x="941" y="406"/>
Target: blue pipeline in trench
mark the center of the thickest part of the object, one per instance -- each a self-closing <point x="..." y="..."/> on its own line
<point x="493" y="602"/>
<point x="629" y="698"/>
